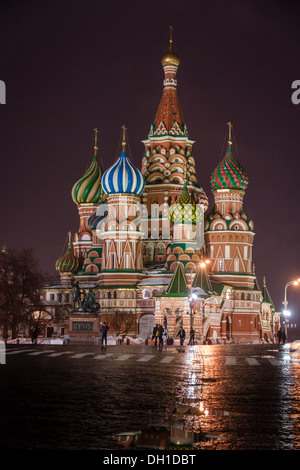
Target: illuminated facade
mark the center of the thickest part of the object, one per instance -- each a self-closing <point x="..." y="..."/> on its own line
<point x="151" y="251"/>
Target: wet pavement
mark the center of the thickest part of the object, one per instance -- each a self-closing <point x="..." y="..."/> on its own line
<point x="223" y="397"/>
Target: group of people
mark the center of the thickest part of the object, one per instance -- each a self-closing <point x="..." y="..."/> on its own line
<point x="160" y="335"/>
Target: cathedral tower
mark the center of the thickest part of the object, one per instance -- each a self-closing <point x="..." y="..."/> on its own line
<point x="122" y="261"/>
<point x="87" y="193"/>
<point x="168" y="163"/>
<point x="229" y="234"/>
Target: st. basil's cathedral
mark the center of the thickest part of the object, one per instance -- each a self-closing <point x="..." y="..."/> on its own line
<point x="149" y="249"/>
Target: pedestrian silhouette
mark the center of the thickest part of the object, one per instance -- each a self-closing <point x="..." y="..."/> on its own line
<point x="279" y="336"/>
<point x="192" y="335"/>
<point x="103" y="331"/>
<point x="181" y="334"/>
<point x="155" y="334"/>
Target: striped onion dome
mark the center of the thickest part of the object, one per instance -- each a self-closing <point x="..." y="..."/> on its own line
<point x="68" y="263"/>
<point x="88" y="189"/>
<point x="229" y="174"/>
<point x="123" y="177"/>
<point x="184" y="211"/>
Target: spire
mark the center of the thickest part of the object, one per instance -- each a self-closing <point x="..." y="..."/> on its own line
<point x="169" y="119"/>
<point x="266" y="294"/>
<point x="256" y="285"/>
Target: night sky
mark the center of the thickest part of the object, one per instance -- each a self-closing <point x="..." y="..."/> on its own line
<point x="72" y="66"/>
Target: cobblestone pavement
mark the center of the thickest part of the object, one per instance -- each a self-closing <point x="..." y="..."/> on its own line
<point x="233" y="397"/>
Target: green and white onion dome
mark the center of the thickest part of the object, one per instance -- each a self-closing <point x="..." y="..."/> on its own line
<point x="88" y="189"/>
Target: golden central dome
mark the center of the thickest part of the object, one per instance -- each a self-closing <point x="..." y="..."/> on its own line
<point x="170" y="58"/>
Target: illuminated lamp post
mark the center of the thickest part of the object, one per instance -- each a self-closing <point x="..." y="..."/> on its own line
<point x="286" y="312"/>
<point x="203" y="264"/>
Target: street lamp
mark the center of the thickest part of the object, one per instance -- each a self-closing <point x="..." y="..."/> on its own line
<point x="286" y="312"/>
<point x="192" y="297"/>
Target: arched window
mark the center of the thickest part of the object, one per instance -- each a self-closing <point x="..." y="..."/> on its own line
<point x="146" y="294"/>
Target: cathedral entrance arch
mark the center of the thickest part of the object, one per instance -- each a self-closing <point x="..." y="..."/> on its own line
<point x="146" y="325"/>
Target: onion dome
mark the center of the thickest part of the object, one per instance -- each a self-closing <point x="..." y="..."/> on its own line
<point x="170" y="58"/>
<point x="123" y="177"/>
<point x="88" y="189"/>
<point x="184" y="211"/>
<point x="229" y="174"/>
<point x="68" y="263"/>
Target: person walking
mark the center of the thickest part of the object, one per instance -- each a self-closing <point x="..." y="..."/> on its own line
<point x="155" y="334"/>
<point x="103" y="332"/>
<point x="181" y="334"/>
<point x="279" y="336"/>
<point x="160" y="336"/>
<point x="283" y="335"/>
<point x="192" y="336"/>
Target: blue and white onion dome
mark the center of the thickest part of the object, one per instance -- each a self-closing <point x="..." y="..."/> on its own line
<point x="123" y="177"/>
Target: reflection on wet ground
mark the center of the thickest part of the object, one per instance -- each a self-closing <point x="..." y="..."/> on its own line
<point x="182" y="428"/>
<point x="209" y="397"/>
<point x="250" y="404"/>
<point x="163" y="437"/>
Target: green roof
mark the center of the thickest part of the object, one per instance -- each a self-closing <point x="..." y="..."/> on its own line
<point x="266" y="296"/>
<point x="178" y="283"/>
<point x="202" y="281"/>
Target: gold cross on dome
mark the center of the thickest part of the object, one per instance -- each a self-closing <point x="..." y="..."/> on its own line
<point x="171" y="34"/>
<point x="96" y="139"/>
<point x="230" y="126"/>
<point x="124" y="137"/>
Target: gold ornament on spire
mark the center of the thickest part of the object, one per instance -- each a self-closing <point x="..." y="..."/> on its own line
<point x="96" y="141"/>
<point x="124" y="137"/>
<point x="230" y="126"/>
<point x="170" y="58"/>
<point x="69" y="243"/>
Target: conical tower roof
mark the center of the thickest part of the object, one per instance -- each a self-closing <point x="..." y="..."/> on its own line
<point x="169" y="118"/>
<point x="201" y="281"/>
<point x="266" y="295"/>
<point x="178" y="284"/>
